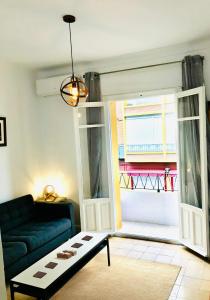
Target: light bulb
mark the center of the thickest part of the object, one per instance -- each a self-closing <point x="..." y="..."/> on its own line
<point x="74" y="91"/>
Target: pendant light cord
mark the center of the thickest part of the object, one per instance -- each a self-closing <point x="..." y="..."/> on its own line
<point x="72" y="64"/>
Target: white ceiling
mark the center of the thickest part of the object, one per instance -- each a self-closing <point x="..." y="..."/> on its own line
<point x="32" y="31"/>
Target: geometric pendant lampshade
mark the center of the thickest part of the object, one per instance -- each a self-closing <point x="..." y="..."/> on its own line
<point x="72" y="88"/>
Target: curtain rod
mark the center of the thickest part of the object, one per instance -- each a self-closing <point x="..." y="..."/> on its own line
<point x="142" y="67"/>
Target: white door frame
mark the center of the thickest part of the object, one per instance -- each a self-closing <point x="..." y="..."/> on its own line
<point x="122" y="97"/>
<point x="110" y="164"/>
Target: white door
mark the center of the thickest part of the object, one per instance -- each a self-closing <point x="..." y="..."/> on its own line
<point x="96" y="213"/>
<point x="192" y="152"/>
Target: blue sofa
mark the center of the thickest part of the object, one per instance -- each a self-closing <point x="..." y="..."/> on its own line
<point x="31" y="229"/>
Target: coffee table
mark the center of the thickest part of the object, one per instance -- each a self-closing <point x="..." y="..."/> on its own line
<point x="45" y="287"/>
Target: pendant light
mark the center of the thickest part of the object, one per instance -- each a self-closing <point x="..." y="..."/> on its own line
<point x="72" y="88"/>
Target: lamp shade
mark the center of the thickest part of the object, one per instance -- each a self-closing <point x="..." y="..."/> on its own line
<point x="73" y="90"/>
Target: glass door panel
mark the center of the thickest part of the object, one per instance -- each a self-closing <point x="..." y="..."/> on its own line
<point x="188" y="107"/>
<point x="190" y="169"/>
<point x="193" y="200"/>
<point x="91" y="116"/>
<point x="94" y="163"/>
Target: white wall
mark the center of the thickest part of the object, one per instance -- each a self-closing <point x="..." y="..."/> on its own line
<point x="58" y="156"/>
<point x="19" y="160"/>
<point x="150" y="207"/>
<point x="157" y="78"/>
<point x="141" y="80"/>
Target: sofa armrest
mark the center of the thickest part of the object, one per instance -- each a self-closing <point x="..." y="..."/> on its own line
<point x="46" y="210"/>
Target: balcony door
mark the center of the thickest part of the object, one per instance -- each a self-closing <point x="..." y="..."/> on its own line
<point x="94" y="167"/>
<point x="193" y="177"/>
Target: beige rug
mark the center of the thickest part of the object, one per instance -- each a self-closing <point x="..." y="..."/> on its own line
<point x="127" y="278"/>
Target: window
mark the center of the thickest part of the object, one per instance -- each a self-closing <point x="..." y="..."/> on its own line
<point x="144" y="133"/>
<point x="149" y="125"/>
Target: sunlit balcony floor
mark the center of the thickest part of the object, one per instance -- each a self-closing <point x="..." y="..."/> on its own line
<point x="149" y="230"/>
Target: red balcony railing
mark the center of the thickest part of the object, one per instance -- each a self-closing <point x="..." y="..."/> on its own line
<point x="156" y="180"/>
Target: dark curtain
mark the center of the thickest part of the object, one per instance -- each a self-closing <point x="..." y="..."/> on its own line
<point x="189" y="140"/>
<point x="93" y="115"/>
<point x="192" y="72"/>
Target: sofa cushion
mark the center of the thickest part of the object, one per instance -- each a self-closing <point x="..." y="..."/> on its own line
<point x="37" y="233"/>
<point x="13" y="251"/>
<point x="16" y="212"/>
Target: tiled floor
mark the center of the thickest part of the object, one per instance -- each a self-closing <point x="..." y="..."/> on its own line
<point x="150" y="230"/>
<point x="193" y="282"/>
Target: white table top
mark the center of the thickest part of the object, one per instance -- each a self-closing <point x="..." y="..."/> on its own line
<point x="26" y="277"/>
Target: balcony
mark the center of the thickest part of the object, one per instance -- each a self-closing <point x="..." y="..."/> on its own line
<point x="149" y="201"/>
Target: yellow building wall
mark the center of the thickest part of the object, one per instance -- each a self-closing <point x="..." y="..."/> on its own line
<point x="116" y="171"/>
<point x="165" y="106"/>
